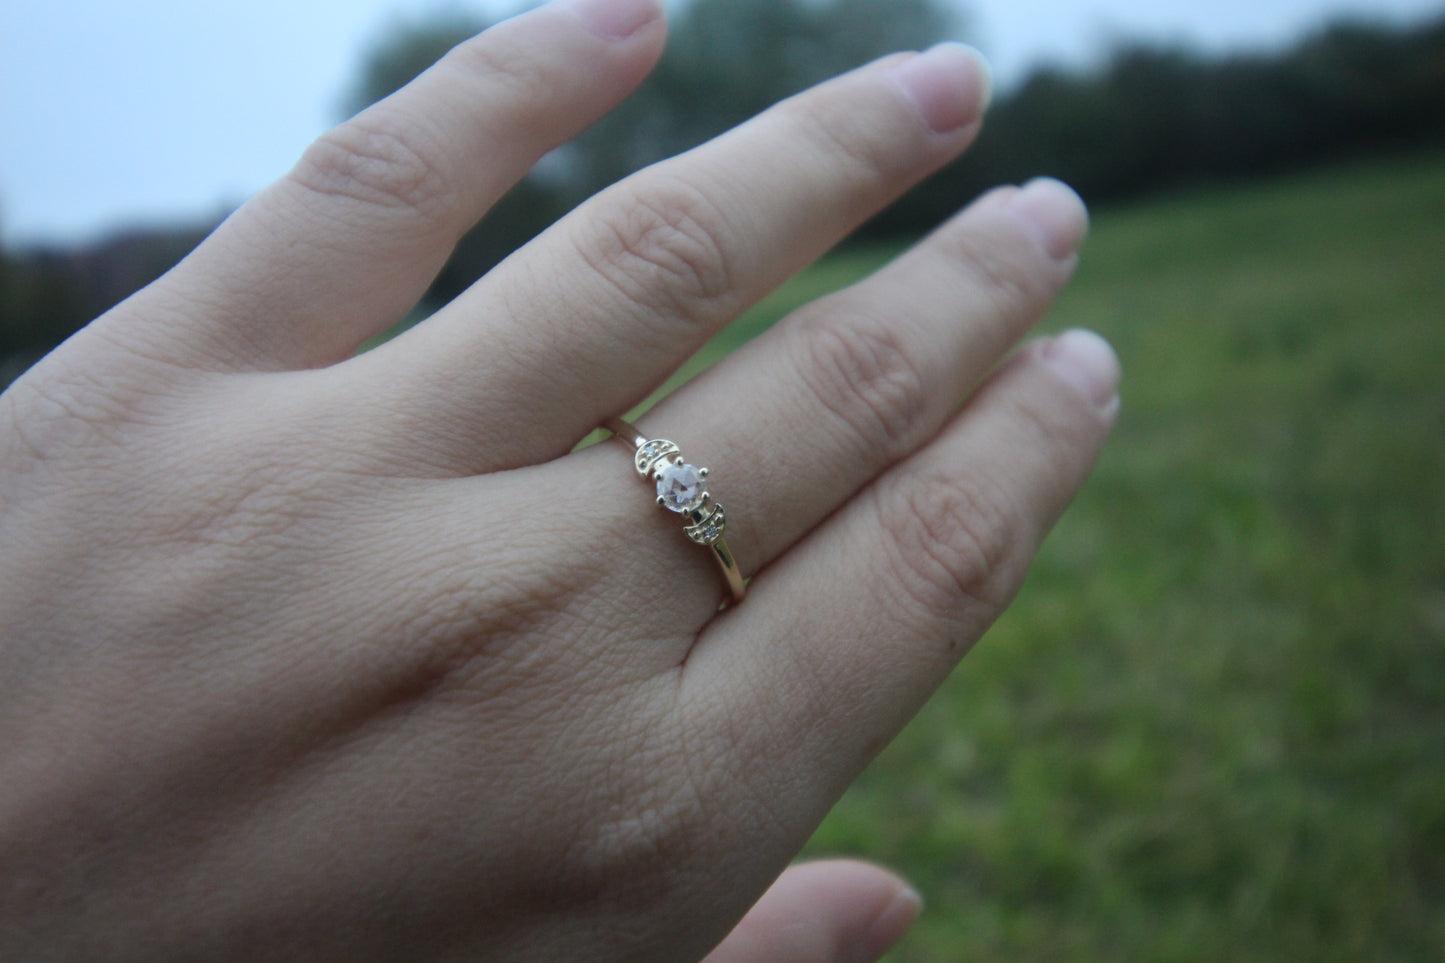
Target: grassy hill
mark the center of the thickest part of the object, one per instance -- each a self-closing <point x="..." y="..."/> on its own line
<point x="1213" y="726"/>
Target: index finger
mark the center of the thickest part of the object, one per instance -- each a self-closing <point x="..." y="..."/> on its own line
<point x="345" y="243"/>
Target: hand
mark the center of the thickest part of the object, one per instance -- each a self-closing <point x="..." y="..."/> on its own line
<point x="313" y="656"/>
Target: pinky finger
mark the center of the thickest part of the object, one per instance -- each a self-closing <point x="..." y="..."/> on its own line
<point x="845" y="636"/>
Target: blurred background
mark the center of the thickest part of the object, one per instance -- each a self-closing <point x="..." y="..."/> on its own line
<point x="1213" y="727"/>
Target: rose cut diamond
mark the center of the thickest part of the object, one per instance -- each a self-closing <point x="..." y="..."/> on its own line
<point x="679" y="487"/>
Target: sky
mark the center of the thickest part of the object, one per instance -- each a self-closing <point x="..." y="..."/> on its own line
<point x="153" y="112"/>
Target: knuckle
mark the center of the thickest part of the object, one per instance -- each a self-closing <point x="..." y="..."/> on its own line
<point x="1041" y="424"/>
<point x="474" y="623"/>
<point x="950" y="539"/>
<point x="374" y="162"/>
<point x="502" y="68"/>
<point x="645" y="822"/>
<point x="661" y="247"/>
<point x="849" y="138"/>
<point x="650" y="830"/>
<point x="482" y="599"/>
<point x="862" y="371"/>
<point x="1011" y="288"/>
<point x="61" y="409"/>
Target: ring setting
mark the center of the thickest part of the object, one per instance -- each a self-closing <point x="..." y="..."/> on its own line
<point x="682" y="488"/>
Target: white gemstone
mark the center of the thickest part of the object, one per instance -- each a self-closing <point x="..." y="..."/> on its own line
<point x="679" y="486"/>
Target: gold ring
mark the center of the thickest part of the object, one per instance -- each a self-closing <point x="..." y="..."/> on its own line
<point x="682" y="488"/>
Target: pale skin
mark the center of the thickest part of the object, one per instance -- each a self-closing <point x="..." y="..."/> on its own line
<point x="309" y="655"/>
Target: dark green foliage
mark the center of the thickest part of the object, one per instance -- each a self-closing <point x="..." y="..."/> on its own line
<point x="1156" y="119"/>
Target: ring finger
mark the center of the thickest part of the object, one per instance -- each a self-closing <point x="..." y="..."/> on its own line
<point x="809" y="413"/>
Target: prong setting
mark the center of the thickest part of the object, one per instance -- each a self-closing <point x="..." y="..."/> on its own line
<point x="681" y="488"/>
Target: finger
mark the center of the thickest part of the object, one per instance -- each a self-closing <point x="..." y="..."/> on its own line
<point x="607" y="303"/>
<point x="848" y="634"/>
<point x="342" y="246"/>
<point x="811" y="411"/>
<point x="834" y="911"/>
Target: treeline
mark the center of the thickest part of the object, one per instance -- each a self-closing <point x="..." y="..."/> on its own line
<point x="1150" y="119"/>
<point x="1156" y="119"/>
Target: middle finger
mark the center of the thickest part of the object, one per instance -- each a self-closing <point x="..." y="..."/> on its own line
<point x="652" y="267"/>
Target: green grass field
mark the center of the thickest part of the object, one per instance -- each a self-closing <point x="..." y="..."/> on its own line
<point x="1213" y="726"/>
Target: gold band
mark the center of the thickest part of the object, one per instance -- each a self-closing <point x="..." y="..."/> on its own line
<point x="680" y="488"/>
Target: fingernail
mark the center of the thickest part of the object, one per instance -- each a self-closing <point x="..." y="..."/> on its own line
<point x="890" y="925"/>
<point x="1053" y="214"/>
<point x="1086" y="361"/>
<point x="951" y="84"/>
<point x="614" y="19"/>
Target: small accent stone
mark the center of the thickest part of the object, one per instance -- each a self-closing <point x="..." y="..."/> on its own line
<point x="680" y="487"/>
<point x="651" y="453"/>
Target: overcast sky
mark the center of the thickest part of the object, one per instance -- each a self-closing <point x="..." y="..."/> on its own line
<point x="155" y="111"/>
